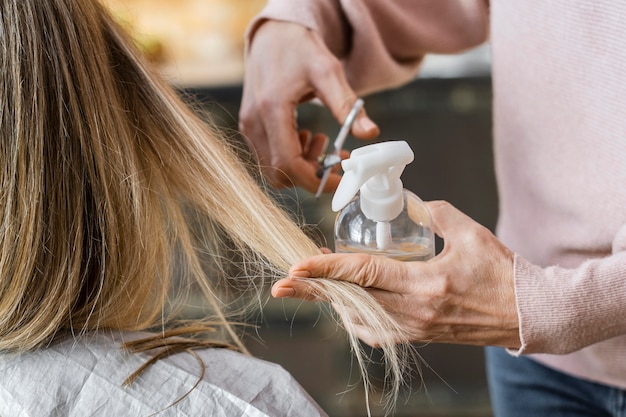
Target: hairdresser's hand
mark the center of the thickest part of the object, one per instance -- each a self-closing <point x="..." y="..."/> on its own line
<point x="286" y="65"/>
<point x="464" y="295"/>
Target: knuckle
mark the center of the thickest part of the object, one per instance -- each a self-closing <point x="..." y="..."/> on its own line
<point x="373" y="343"/>
<point x="328" y="67"/>
<point x="266" y="103"/>
<point x="245" y="120"/>
<point x="368" y="338"/>
<point x="273" y="176"/>
<point x="442" y="205"/>
<point x="442" y="287"/>
<point x="367" y="274"/>
<point x="425" y="322"/>
<point x="433" y="310"/>
<point x="483" y="235"/>
<point x="427" y="318"/>
<point x="477" y="235"/>
<point x="280" y="164"/>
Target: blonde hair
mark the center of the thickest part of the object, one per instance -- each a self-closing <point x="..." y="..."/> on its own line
<point x="113" y="190"/>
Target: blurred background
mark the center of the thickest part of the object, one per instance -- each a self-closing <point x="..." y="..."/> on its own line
<point x="445" y="115"/>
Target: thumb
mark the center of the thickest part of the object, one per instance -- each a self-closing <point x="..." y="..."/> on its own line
<point x="447" y="219"/>
<point x="367" y="271"/>
<point x="332" y="88"/>
<point x="340" y="104"/>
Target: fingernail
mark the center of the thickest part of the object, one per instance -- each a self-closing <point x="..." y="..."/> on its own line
<point x="284" y="292"/>
<point x="366" y="124"/>
<point x="300" y="273"/>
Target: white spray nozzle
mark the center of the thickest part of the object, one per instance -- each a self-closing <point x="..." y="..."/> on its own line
<point x="375" y="170"/>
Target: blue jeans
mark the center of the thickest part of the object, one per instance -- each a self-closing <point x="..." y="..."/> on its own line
<point x="522" y="387"/>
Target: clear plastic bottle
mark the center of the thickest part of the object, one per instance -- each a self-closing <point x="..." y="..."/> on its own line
<point x="376" y="214"/>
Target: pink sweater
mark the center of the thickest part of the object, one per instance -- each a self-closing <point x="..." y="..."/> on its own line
<point x="559" y="76"/>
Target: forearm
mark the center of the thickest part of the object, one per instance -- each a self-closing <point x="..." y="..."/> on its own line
<point x="381" y="44"/>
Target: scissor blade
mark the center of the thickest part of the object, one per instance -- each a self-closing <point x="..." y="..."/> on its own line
<point x="333" y="157"/>
<point x="320" y="189"/>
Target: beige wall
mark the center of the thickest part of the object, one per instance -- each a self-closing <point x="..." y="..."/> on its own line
<point x="194" y="42"/>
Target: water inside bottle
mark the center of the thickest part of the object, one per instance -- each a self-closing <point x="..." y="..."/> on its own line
<point x="407" y="251"/>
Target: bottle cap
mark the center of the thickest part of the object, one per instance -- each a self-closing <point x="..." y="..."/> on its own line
<point x="375" y="170"/>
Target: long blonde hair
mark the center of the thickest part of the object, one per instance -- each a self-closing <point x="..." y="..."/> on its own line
<point x="112" y="190"/>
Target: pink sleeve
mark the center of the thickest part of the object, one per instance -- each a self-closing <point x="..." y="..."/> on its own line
<point x="383" y="42"/>
<point x="563" y="310"/>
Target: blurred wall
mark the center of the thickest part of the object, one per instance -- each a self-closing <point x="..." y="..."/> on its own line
<point x="193" y="42"/>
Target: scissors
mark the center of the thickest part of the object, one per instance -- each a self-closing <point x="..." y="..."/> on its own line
<point x="332" y="158"/>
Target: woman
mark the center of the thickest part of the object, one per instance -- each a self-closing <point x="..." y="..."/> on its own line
<point x="117" y="201"/>
<point x="551" y="286"/>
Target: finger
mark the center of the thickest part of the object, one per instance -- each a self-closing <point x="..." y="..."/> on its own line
<point x="351" y="319"/>
<point x="254" y="128"/>
<point x="343" y="155"/>
<point x="295" y="288"/>
<point x="367" y="271"/>
<point x="335" y="178"/>
<point x="317" y="144"/>
<point x="305" y="137"/>
<point x="304" y="173"/>
<point x="366" y="335"/>
<point x="372" y="337"/>
<point x="332" y="183"/>
<point x="283" y="140"/>
<point x="331" y="86"/>
<point x="337" y="95"/>
<point x="349" y="316"/>
<point x="292" y="164"/>
<point x="364" y="127"/>
<point x="296" y="169"/>
<point x="268" y="119"/>
<point x="447" y="218"/>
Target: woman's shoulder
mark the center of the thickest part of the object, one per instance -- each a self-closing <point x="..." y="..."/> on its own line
<point x="85" y="376"/>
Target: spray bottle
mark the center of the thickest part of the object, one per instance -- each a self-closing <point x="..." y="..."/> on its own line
<point x="383" y="218"/>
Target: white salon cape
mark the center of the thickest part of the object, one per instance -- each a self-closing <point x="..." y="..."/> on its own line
<point x="80" y="378"/>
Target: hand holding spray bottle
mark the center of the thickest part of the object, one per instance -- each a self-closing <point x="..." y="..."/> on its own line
<point x="376" y="214"/>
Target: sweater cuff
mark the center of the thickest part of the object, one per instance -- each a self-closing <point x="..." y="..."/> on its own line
<point x="324" y="16"/>
<point x="563" y="310"/>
